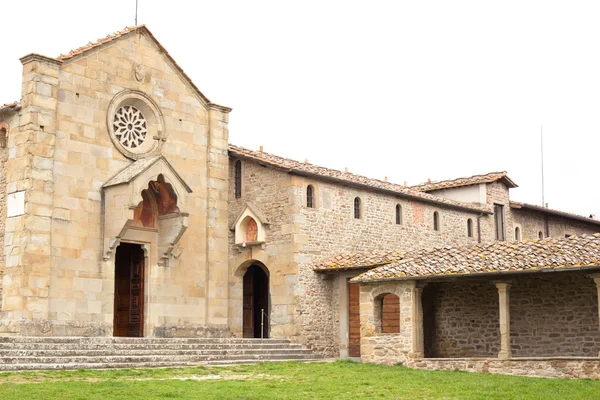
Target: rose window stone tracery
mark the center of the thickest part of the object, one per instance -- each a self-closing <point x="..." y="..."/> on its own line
<point x="130" y="127"/>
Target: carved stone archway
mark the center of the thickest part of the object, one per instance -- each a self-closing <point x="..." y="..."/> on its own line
<point x="146" y="203"/>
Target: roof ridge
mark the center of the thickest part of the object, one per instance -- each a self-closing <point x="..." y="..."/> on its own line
<point x="465" y="181"/>
<point x="348" y="177"/>
<point x="99" y="42"/>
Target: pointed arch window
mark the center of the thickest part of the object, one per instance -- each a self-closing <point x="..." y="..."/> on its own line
<point x="310" y="200"/>
<point x="470" y="228"/>
<point x="238" y="179"/>
<point x="357" y="208"/>
<point x="436" y="221"/>
<point x="398" y="214"/>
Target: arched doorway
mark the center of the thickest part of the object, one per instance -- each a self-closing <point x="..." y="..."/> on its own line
<point x="256" y="301"/>
<point x="129" y="291"/>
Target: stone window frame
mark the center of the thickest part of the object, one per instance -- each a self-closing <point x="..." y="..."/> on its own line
<point x="357" y="208"/>
<point x="541" y="235"/>
<point x="376" y="300"/>
<point x="154" y="119"/>
<point x="4" y="131"/>
<point x="437" y="222"/>
<point x="518" y="232"/>
<point x="399" y="215"/>
<point x="238" y="181"/>
<point x="470" y="228"/>
<point x="315" y="196"/>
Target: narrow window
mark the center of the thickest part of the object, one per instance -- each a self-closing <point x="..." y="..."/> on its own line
<point x="238" y="179"/>
<point x="470" y="227"/>
<point x="309" y="197"/>
<point x="499" y="221"/>
<point x="357" y="207"/>
<point x="436" y="221"/>
<point x="540" y="235"/>
<point x="398" y="214"/>
<point x="2" y="137"/>
<point x="517" y="233"/>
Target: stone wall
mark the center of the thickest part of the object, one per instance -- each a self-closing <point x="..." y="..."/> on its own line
<point x="330" y="228"/>
<point x="554" y="315"/>
<point x="461" y="319"/>
<point x="386" y="348"/>
<point x="532" y="222"/>
<point x="75" y="285"/>
<point x="269" y="190"/>
<point x="542" y="367"/>
<point x="6" y="121"/>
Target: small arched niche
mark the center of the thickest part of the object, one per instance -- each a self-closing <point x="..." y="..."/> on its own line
<point x="250" y="226"/>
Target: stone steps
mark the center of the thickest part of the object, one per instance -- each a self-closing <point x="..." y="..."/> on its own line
<point x="139" y="346"/>
<point x="142" y="352"/>
<point x="35" y="353"/>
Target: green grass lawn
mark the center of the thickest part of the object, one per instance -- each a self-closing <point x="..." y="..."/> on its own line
<point x="336" y="380"/>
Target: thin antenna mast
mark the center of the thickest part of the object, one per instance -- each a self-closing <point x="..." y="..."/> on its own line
<point x="542" y="151"/>
<point x="136" y="11"/>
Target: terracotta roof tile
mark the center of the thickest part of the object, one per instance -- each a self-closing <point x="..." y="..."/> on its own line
<point x="495" y="258"/>
<point x="466" y="181"/>
<point x="564" y="214"/>
<point x="359" y="260"/>
<point x="300" y="168"/>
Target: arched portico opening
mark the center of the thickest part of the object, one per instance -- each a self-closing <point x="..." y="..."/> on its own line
<point x="256" y="302"/>
<point x="129" y="291"/>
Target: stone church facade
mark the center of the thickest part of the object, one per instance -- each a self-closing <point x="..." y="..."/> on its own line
<point x="126" y="212"/>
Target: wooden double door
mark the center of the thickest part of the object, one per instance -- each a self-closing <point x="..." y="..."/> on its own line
<point x="129" y="291"/>
<point x="255" y="302"/>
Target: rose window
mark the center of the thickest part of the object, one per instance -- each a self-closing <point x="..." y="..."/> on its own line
<point x="130" y="127"/>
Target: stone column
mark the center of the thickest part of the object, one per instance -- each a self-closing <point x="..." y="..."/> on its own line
<point x="596" y="278"/>
<point x="504" y="306"/>
<point x="217" y="226"/>
<point x="418" y="350"/>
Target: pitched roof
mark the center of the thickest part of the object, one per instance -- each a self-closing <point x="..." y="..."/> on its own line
<point x="127" y="30"/>
<point x="359" y="260"/>
<point x="532" y="207"/>
<point x="551" y="254"/>
<point x="347" y="178"/>
<point x="10" y="106"/>
<point x="466" y="181"/>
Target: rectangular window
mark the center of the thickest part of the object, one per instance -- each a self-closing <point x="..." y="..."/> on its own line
<point x="499" y="221"/>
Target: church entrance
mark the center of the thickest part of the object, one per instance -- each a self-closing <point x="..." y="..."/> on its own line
<point x="256" y="299"/>
<point x="129" y="291"/>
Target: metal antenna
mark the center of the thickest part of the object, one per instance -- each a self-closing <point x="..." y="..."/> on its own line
<point x="542" y="151"/>
<point x="136" y="11"/>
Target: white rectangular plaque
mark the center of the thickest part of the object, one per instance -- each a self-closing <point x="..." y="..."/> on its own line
<point x="15" y="204"/>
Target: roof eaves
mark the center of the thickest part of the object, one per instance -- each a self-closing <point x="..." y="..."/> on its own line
<point x="358" y="279"/>
<point x="559" y="213"/>
<point x="233" y="150"/>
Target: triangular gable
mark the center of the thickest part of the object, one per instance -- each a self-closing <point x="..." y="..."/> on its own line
<point x="137" y="168"/>
<point x="260" y="216"/>
<point x="142" y="29"/>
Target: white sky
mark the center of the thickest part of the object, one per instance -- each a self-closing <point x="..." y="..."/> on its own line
<point x="405" y="89"/>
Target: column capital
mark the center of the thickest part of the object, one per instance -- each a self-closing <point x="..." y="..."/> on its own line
<point x="503" y="285"/>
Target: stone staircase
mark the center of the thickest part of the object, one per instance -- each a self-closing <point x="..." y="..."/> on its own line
<point x="38" y="353"/>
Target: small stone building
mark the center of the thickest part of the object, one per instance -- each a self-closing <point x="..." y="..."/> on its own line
<point x="126" y="212"/>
